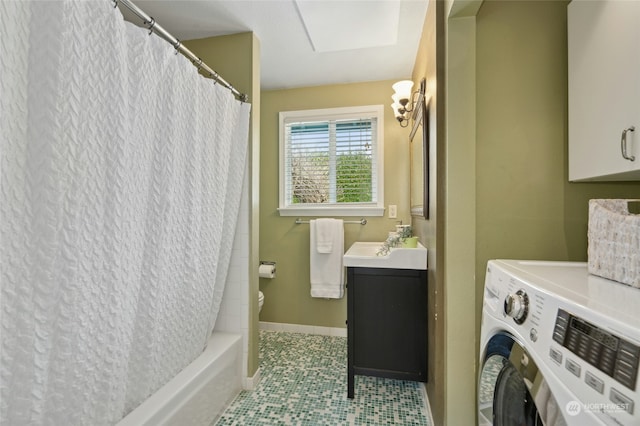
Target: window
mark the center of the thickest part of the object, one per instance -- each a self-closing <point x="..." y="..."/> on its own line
<point x="331" y="162"/>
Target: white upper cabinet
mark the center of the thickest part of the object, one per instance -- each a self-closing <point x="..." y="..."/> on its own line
<point x="604" y="90"/>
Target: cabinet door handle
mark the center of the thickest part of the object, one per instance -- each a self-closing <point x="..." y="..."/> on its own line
<point x="623" y="144"/>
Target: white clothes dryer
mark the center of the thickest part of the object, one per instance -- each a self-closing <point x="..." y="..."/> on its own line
<point x="558" y="346"/>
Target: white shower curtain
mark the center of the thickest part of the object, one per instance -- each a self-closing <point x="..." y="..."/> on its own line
<point x="121" y="178"/>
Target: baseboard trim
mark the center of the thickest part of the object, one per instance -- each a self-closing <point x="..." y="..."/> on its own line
<point x="427" y="406"/>
<point x="250" y="383"/>
<point x="305" y="329"/>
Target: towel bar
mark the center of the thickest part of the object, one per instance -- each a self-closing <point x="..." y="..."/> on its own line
<point x="362" y="221"/>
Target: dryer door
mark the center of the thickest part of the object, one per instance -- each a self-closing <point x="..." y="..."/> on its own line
<point x="511" y="389"/>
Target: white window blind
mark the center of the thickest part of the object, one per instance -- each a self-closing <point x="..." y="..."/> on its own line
<point x="331" y="158"/>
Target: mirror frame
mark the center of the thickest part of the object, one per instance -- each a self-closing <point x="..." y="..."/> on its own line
<point x="425" y="159"/>
<point x="422" y="117"/>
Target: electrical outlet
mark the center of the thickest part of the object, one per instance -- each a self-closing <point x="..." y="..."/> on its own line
<point x="393" y="211"/>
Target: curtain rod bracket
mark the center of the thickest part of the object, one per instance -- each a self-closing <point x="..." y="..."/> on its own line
<point x="150" y="27"/>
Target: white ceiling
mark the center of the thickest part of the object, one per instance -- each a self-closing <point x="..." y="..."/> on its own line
<point x="307" y="42"/>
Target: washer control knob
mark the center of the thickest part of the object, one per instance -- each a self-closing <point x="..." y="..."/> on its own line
<point x="517" y="306"/>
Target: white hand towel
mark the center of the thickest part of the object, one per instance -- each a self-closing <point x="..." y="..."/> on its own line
<point x="325" y="228"/>
<point x="327" y="272"/>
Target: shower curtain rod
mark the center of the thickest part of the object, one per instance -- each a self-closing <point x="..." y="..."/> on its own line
<point x="153" y="26"/>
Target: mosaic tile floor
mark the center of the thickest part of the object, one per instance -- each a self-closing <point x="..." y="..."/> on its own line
<point x="304" y="382"/>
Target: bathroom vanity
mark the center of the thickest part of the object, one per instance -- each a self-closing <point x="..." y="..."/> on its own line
<point x="386" y="318"/>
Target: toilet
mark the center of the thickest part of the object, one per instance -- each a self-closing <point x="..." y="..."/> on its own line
<point x="260" y="300"/>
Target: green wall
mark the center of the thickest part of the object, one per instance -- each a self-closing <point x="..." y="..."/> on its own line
<point x="429" y="64"/>
<point x="287" y="297"/>
<point x="523" y="205"/>
<point x="526" y="208"/>
<point x="458" y="228"/>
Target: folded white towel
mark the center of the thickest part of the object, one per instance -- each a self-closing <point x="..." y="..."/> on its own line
<point x="324" y="229"/>
<point x="327" y="272"/>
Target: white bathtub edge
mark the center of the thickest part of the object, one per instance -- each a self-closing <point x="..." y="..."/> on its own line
<point x="222" y="352"/>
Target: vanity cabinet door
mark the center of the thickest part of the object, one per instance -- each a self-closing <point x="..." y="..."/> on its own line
<point x="387" y="323"/>
<point x="604" y="90"/>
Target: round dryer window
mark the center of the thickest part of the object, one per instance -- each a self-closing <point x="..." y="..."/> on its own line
<point x="512" y="390"/>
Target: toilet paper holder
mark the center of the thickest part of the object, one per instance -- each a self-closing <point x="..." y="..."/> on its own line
<point x="267" y="269"/>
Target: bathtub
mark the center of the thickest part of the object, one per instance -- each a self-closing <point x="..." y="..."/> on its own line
<point x="198" y="394"/>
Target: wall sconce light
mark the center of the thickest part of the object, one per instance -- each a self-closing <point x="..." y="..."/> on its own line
<point x="406" y="102"/>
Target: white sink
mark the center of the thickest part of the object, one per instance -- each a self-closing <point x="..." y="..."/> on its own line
<point x="363" y="255"/>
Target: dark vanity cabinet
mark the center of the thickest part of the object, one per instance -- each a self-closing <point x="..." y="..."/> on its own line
<point x="386" y="324"/>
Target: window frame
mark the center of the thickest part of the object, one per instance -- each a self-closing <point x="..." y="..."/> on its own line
<point x="335" y="209"/>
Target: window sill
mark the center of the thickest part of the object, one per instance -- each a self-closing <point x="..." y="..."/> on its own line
<point x="331" y="211"/>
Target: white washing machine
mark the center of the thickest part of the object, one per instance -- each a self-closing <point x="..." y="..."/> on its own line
<point x="558" y="346"/>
